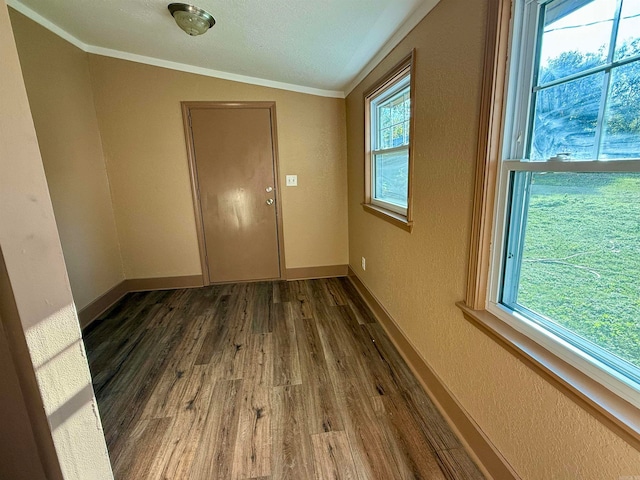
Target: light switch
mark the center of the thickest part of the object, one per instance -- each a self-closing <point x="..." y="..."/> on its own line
<point x="292" y="180"/>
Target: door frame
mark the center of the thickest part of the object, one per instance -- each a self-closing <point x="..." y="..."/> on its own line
<point x="193" y="175"/>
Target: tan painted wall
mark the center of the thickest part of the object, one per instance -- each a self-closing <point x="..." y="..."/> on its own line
<point x="418" y="277"/>
<point x="36" y="304"/>
<point x="140" y="121"/>
<point x="19" y="459"/>
<point x="57" y="78"/>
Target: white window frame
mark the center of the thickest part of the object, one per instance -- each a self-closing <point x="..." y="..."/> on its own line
<point x="516" y="113"/>
<point x="400" y="83"/>
<point x="396" y="80"/>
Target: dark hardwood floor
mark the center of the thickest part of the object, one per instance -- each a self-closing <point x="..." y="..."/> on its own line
<point x="266" y="381"/>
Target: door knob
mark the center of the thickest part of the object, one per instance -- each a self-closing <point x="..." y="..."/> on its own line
<point x="269" y="189"/>
<point x="270" y="201"/>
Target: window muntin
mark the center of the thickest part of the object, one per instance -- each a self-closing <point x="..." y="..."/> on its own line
<point x="586" y="62"/>
<point x="574" y="101"/>
<point x="390" y="115"/>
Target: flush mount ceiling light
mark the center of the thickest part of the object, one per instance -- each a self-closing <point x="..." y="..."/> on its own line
<point x="192" y="20"/>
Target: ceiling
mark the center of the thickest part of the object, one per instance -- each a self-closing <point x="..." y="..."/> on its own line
<point x="318" y="46"/>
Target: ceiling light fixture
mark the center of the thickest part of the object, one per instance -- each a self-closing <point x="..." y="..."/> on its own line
<point x="192" y="20"/>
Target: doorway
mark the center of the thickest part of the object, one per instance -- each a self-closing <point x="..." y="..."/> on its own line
<point x="233" y="161"/>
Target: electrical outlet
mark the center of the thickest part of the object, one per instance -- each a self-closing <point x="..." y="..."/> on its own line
<point x="292" y="180"/>
<point x="364" y="263"/>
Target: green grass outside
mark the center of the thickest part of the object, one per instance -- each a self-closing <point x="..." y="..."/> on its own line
<point x="581" y="260"/>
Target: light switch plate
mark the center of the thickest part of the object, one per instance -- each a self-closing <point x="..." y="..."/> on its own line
<point x="292" y="180"/>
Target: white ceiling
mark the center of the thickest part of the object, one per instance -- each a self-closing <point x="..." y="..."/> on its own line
<point x="319" y="46"/>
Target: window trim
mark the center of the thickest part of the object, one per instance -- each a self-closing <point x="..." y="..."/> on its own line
<point x="386" y="211"/>
<point x="610" y="408"/>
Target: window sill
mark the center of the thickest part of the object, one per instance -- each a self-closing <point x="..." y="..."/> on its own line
<point x="617" y="414"/>
<point x="394" y="218"/>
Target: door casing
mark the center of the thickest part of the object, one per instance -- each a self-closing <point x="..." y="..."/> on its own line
<point x="193" y="176"/>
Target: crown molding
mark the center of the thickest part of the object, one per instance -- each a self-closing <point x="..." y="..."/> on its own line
<point x="157" y="62"/>
<point x="410" y="23"/>
<point x="46" y="23"/>
<point x="208" y="72"/>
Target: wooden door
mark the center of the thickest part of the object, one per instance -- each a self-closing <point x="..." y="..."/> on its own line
<point x="235" y="174"/>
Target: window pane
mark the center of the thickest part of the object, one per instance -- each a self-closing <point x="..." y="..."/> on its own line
<point x="628" y="42"/>
<point x="384" y="118"/>
<point x="398" y="136"/>
<point x="565" y="119"/>
<point x="621" y="137"/>
<point x="581" y="257"/>
<point x="392" y="116"/>
<point x="392" y="177"/>
<point x="385" y="138"/>
<point x="575" y="39"/>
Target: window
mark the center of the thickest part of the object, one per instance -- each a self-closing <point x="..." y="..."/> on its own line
<point x="388" y="145"/>
<point x="566" y="267"/>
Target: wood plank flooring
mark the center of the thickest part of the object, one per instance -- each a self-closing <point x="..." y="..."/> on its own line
<point x="269" y="380"/>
